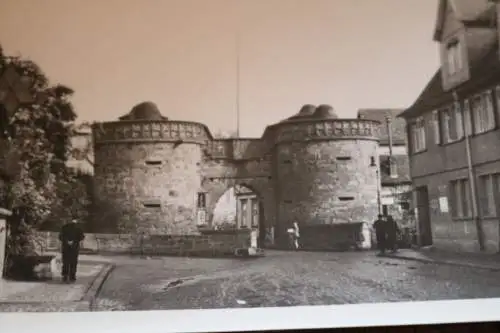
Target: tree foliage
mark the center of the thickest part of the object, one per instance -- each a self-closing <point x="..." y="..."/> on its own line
<point x="35" y="145"/>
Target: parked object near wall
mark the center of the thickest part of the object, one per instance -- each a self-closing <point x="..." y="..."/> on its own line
<point x="4" y="213"/>
<point x="336" y="237"/>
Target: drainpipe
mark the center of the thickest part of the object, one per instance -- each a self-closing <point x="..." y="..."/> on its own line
<point x="389" y="135"/>
<point x="470" y="168"/>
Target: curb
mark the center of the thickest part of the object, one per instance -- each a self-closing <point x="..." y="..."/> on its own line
<point x="444" y="262"/>
<point x="86" y="303"/>
<point x="94" y="289"/>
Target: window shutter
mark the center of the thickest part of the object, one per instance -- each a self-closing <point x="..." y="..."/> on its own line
<point x="409" y="136"/>
<point x="497" y="101"/>
<point x="436" y="126"/>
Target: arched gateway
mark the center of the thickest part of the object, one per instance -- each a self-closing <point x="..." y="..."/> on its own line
<point x="166" y="176"/>
<point x="240" y="207"/>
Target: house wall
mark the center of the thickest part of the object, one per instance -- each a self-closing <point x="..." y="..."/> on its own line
<point x="437" y="167"/>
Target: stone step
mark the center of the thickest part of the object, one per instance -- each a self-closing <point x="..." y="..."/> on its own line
<point x="249" y="252"/>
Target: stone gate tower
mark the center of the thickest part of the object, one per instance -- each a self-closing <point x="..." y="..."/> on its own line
<point x="325" y="171"/>
<point x="148" y="167"/>
<point x="312" y="168"/>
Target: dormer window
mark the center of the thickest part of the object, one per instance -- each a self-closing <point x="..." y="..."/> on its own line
<point x="454" y="57"/>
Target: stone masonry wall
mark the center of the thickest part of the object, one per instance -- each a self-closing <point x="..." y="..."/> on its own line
<point x="219" y="176"/>
<point x="327" y="182"/>
<point x="214" y="244"/>
<point x="154" y="184"/>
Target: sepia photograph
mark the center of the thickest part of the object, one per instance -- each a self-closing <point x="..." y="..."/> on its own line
<point x="251" y="154"/>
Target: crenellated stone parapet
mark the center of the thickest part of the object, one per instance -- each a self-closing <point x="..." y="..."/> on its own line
<point x="137" y="131"/>
<point x="236" y="149"/>
<point x="329" y="129"/>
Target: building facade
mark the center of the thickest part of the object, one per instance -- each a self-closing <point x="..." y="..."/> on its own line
<point x="453" y="133"/>
<point x="166" y="176"/>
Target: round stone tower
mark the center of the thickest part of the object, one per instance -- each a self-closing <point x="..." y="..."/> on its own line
<point x="326" y="169"/>
<point x="147" y="168"/>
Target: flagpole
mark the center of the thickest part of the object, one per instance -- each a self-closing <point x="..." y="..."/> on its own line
<point x="237" y="84"/>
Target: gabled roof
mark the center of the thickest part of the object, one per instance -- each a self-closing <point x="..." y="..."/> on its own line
<point x="467" y="12"/>
<point x="484" y="69"/>
<point x="397" y="124"/>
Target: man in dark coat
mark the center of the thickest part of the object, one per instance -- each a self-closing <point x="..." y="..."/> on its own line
<point x="392" y="233"/>
<point x="380" y="232"/>
<point x="70" y="236"/>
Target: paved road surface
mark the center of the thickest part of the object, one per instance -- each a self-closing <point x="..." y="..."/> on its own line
<point x="286" y="279"/>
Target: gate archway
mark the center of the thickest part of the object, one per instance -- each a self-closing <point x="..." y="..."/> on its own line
<point x="239" y="207"/>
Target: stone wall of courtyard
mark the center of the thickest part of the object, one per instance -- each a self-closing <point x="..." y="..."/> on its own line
<point x="220" y="243"/>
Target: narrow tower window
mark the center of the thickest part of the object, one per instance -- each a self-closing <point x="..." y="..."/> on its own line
<point x="151" y="204"/>
<point x="153" y="162"/>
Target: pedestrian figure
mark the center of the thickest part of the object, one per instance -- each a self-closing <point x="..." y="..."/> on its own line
<point x="293" y="236"/>
<point x="70" y="236"/>
<point x="380" y="232"/>
<point x="392" y="233"/>
<point x="296" y="235"/>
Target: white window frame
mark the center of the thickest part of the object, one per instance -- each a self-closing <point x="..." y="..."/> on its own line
<point x="418" y="135"/>
<point x="497" y="100"/>
<point x="436" y="125"/>
<point x="461" y="198"/>
<point x="483" y="112"/>
<point x="452" y="116"/>
<point x="454" y="57"/>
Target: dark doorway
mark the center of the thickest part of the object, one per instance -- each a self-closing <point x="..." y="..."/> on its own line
<point x="423" y="216"/>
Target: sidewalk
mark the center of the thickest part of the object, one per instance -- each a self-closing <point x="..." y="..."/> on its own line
<point x="48" y="296"/>
<point x="473" y="260"/>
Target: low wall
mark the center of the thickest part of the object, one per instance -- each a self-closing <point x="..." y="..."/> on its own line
<point x="335" y="237"/>
<point x="212" y="243"/>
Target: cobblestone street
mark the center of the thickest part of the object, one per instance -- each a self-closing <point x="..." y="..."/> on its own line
<point x="286" y="279"/>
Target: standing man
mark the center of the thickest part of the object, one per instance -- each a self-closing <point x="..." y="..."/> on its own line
<point x="392" y="233"/>
<point x="296" y="234"/>
<point x="70" y="236"/>
<point x="380" y="232"/>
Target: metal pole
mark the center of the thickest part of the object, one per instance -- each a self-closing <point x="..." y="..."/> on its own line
<point x="389" y="134"/>
<point x="379" y="200"/>
<point x="237" y="84"/>
<point x="471" y="174"/>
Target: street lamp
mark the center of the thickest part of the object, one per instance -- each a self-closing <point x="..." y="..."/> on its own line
<point x="373" y="163"/>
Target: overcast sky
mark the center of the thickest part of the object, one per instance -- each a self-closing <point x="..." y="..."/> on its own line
<point x="181" y="54"/>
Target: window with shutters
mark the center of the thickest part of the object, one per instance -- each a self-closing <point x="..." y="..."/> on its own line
<point x="452" y="123"/>
<point x="483" y="113"/>
<point x="417" y="135"/>
<point x="487" y="187"/>
<point x="454" y="57"/>
<point x="460" y="198"/>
